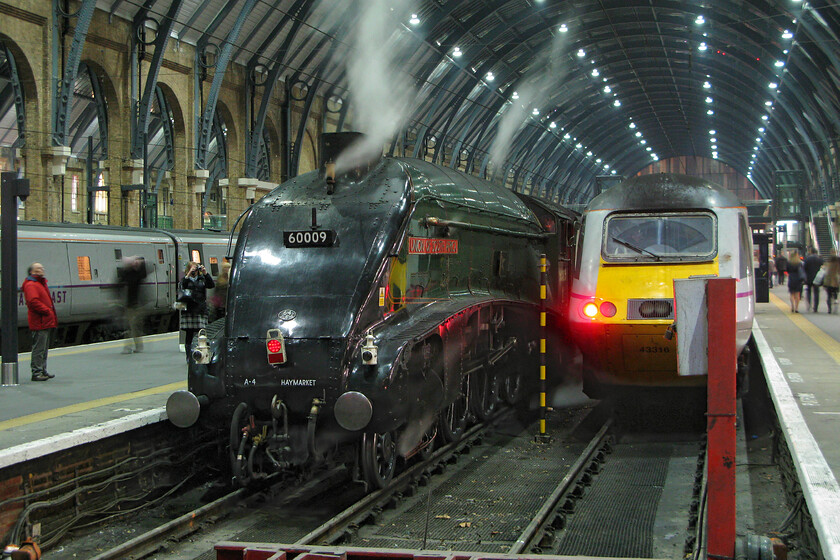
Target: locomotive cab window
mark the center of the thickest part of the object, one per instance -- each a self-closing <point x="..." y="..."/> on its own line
<point x="684" y="237"/>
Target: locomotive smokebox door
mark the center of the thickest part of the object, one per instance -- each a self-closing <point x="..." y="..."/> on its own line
<point x="275" y="347"/>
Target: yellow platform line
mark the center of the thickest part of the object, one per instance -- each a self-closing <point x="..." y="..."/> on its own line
<point x="80" y="407"/>
<point x="831" y="346"/>
<point x="70" y="350"/>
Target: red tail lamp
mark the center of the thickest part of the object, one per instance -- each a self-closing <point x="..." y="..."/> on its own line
<point x="275" y="347"/>
<point x="608" y="309"/>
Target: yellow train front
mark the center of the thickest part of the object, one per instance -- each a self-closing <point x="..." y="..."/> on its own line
<point x="635" y="239"/>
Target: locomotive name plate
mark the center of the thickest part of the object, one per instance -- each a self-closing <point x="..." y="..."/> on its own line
<point x="310" y="238"/>
<point x="432" y="246"/>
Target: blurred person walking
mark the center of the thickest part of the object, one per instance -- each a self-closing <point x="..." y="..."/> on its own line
<point x="813" y="263"/>
<point x="41" y="317"/>
<point x="218" y="301"/>
<point x="831" y="282"/>
<point x="796" y="280"/>
<point x="194" y="318"/>
<point x="781" y="268"/>
<point x="131" y="274"/>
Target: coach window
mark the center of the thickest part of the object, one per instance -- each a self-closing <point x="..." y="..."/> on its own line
<point x="160" y="256"/>
<point x="196" y="256"/>
<point x="83" y="266"/>
<point x="214" y="266"/>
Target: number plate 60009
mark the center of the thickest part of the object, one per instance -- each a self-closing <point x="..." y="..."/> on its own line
<point x="310" y="238"/>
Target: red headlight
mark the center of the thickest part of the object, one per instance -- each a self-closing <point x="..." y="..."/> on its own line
<point x="608" y="309"/>
<point x="590" y="310"/>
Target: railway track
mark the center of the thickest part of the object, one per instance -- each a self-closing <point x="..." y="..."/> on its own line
<point x="495" y="491"/>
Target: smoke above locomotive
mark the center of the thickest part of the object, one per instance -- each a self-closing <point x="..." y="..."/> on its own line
<point x="378" y="307"/>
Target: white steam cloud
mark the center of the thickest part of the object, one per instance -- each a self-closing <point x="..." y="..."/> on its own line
<point x="380" y="94"/>
<point x="546" y="74"/>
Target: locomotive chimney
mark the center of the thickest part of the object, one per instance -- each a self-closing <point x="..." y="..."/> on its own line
<point x="346" y="154"/>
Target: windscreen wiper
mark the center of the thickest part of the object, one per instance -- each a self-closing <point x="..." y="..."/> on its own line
<point x="637" y="249"/>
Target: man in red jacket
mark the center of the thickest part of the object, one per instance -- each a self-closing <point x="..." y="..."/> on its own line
<point x="42" y="319"/>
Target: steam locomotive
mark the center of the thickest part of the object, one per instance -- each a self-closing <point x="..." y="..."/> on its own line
<point x="379" y="308"/>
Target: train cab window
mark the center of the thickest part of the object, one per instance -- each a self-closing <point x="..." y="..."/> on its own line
<point x="83" y="267"/>
<point x="214" y="266"/>
<point x="746" y="254"/>
<point x="195" y="256"/>
<point x="677" y="236"/>
<point x="160" y="256"/>
<point x="118" y="254"/>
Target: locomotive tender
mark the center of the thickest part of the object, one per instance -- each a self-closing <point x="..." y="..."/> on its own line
<point x="82" y="262"/>
<point x="635" y="239"/>
<point x="379" y="308"/>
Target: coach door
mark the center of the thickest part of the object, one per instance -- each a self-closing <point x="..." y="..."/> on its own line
<point x="161" y="271"/>
<point x="90" y="280"/>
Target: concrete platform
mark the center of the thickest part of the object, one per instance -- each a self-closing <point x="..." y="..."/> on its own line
<point x="800" y="353"/>
<point x="97" y="392"/>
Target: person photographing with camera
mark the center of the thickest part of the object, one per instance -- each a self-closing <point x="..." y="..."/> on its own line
<point x="194" y="286"/>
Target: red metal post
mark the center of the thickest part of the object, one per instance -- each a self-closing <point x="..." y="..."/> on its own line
<point x="720" y="459"/>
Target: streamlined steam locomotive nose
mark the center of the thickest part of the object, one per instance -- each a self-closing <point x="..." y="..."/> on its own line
<point x="182" y="408"/>
<point x="353" y="411"/>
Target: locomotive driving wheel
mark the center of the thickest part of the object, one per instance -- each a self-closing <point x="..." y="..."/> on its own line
<point x="379" y="458"/>
<point x="484" y="393"/>
<point x="512" y="387"/>
<point x="453" y="419"/>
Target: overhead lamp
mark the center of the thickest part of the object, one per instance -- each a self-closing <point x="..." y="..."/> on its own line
<point x="714" y="146"/>
<point x="589" y="154"/>
<point x="563" y="28"/>
<point x="707" y="85"/>
<point x="764" y="117"/>
<point x="643" y="142"/>
<point x="514" y="95"/>
<point x="709" y="100"/>
<point x="778" y="64"/>
<point x="581" y="53"/>
<point x="787" y="35"/>
<point x="535" y="112"/>
<point x="702" y="47"/>
<point x="713" y="140"/>
<point x="606" y="166"/>
<point x="710" y="112"/>
<point x="578" y="145"/>
<point x="655" y="157"/>
<point x="758" y="139"/>
<point x="632" y="125"/>
<point x="761" y="129"/>
<point x="414" y="19"/>
<point x="638" y="134"/>
<point x="768" y="103"/>
<point x="490" y="77"/>
<point x="616" y="103"/>
<point x="714" y="155"/>
<point x="700" y="20"/>
<point x="772" y="85"/>
<point x="456" y="52"/>
<point x="712" y="132"/>
<point x="649" y="148"/>
<point x="607" y="89"/>
<point x="599" y="161"/>
<point x="566" y="136"/>
<point x="552" y="124"/>
<point x="612" y="172"/>
<point x="595" y="73"/>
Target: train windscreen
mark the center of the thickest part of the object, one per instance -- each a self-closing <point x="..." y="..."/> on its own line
<point x="644" y="237"/>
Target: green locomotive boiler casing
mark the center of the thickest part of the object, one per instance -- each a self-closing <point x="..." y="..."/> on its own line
<point x="439" y="270"/>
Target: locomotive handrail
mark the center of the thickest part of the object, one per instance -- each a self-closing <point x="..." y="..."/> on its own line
<point x="433" y="221"/>
<point x="228" y="256"/>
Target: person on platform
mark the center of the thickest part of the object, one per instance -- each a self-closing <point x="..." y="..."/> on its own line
<point x="194" y="317"/>
<point x="831" y="282"/>
<point x="781" y="268"/>
<point x="813" y="263"/>
<point x="42" y="319"/>
<point x="771" y="271"/>
<point x="218" y="301"/>
<point x="131" y="274"/>
<point x="796" y="280"/>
